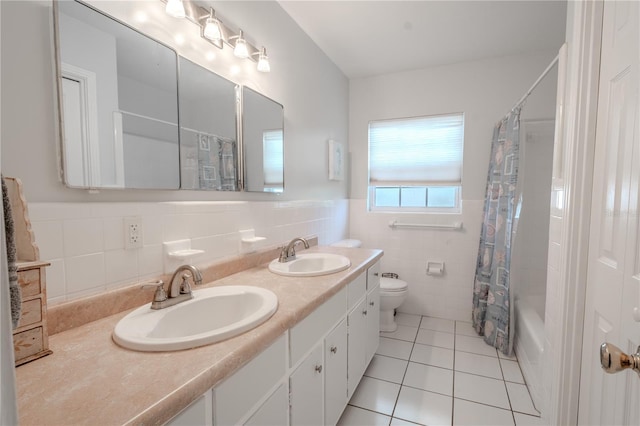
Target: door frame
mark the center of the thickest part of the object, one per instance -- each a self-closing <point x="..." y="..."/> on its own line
<point x="563" y="350"/>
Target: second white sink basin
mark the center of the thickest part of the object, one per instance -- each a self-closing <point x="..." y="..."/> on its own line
<point x="214" y="314"/>
<point x="311" y="265"/>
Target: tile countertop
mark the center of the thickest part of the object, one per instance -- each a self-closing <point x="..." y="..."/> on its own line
<point x="90" y="380"/>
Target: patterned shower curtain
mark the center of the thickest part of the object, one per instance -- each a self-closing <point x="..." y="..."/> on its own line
<point x="492" y="307"/>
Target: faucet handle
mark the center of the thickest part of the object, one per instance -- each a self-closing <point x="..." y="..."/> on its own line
<point x="160" y="295"/>
<point x="185" y="288"/>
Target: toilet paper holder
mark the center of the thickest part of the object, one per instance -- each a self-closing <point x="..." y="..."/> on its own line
<point x="435" y="268"/>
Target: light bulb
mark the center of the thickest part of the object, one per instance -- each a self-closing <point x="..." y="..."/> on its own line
<point x="263" y="61"/>
<point x="241" y="50"/>
<point x="212" y="27"/>
<point x="175" y="8"/>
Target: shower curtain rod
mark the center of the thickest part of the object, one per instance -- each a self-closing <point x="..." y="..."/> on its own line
<point x="531" y="89"/>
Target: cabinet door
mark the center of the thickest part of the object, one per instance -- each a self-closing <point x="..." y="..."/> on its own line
<point x="274" y="411"/>
<point x="373" y="322"/>
<point x="357" y="334"/>
<point x="335" y="376"/>
<point x="306" y="390"/>
<point x="199" y="413"/>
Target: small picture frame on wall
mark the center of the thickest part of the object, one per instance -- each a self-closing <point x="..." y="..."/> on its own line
<point x="336" y="160"/>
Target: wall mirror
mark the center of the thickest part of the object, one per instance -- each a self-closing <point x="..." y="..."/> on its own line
<point x="118" y="101"/>
<point x="208" y="129"/>
<point x="263" y="142"/>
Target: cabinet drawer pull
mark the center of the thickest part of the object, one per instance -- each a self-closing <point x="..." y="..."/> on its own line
<point x="372" y="303"/>
<point x="334" y="349"/>
<point x="375" y="274"/>
<point x="364" y="312"/>
<point x="319" y="368"/>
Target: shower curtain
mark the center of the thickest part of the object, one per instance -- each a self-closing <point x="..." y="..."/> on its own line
<point x="492" y="307"/>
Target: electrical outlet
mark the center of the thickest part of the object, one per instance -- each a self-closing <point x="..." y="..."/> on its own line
<point x="132" y="232"/>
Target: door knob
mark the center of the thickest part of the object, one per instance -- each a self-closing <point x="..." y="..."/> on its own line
<point x="613" y="359"/>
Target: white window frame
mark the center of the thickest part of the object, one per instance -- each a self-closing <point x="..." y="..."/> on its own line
<point x="456" y="209"/>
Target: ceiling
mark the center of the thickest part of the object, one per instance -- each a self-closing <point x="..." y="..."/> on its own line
<point x="365" y="38"/>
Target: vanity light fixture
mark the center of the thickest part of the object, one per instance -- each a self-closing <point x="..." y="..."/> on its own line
<point x="263" y="60"/>
<point x="212" y="27"/>
<point x="175" y="8"/>
<point x="240" y="50"/>
<point x="216" y="32"/>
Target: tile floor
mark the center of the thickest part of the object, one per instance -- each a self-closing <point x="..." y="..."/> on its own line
<point x="439" y="372"/>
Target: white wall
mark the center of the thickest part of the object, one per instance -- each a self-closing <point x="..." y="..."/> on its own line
<point x="82" y="233"/>
<point x="484" y="91"/>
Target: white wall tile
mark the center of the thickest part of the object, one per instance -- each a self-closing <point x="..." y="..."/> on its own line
<point x="121" y="265"/>
<point x="49" y="238"/>
<point x="85" y="272"/>
<point x="150" y="260"/>
<point x="114" y="233"/>
<point x="83" y="236"/>
<point x="56" y="282"/>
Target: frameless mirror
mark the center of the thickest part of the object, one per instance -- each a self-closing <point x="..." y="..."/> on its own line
<point x="263" y="142"/>
<point x="118" y="101"/>
<point x="208" y="129"/>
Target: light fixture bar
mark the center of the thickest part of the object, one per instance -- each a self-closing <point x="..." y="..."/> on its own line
<point x="199" y="16"/>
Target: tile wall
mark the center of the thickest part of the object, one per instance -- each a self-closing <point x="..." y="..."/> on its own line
<point x="85" y="241"/>
<point x="407" y="251"/>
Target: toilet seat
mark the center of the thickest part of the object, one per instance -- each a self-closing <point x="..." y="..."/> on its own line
<point x="391" y="285"/>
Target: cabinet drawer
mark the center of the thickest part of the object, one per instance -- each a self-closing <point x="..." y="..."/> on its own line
<point x="28" y="342"/>
<point x="239" y="393"/>
<point x="356" y="290"/>
<point x="29" y="281"/>
<point x="31" y="312"/>
<point x="310" y="330"/>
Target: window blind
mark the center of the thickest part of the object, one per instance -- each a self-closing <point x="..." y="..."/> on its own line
<point x="422" y="151"/>
<point x="273" y="157"/>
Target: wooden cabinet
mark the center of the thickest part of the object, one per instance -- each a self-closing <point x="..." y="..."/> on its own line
<point x="357" y="326"/>
<point x="30" y="338"/>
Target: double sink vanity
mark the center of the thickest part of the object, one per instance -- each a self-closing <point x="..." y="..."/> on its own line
<point x="279" y="343"/>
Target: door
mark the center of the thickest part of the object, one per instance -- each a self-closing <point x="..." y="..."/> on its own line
<point x="356" y="340"/>
<point x="335" y="373"/>
<point x="306" y="389"/>
<point x="614" y="253"/>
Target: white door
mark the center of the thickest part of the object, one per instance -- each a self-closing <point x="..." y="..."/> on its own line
<point x="613" y="283"/>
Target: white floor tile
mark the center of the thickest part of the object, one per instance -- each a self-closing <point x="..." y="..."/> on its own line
<point x="376" y="395"/>
<point x="526" y="420"/>
<point x="465" y="329"/>
<point x="354" y="416"/>
<point x="481" y="389"/>
<point x="438" y="324"/>
<point x="386" y="368"/>
<point x="473" y="414"/>
<point x="435" y="338"/>
<point x="511" y="371"/>
<point x="432" y="355"/>
<point x="404" y="332"/>
<point x="423" y="407"/>
<point x="399" y="422"/>
<point x="394" y="348"/>
<point x="520" y="399"/>
<point x="429" y="378"/>
<point x="478" y="364"/>
<point x="475" y="345"/>
<point x="408" y="319"/>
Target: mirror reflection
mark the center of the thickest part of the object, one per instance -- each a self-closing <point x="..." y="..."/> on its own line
<point x="208" y="129"/>
<point x="263" y="142"/>
<point x="119" y="101"/>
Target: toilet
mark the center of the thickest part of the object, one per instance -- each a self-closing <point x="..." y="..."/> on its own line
<point x="393" y="292"/>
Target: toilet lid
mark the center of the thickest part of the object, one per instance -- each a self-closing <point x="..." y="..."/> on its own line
<point x="390" y="284"/>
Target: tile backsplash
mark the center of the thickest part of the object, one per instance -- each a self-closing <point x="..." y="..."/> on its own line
<point x="85" y="241"/>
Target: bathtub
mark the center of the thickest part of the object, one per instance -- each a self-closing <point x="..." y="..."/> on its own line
<point x="529" y="342"/>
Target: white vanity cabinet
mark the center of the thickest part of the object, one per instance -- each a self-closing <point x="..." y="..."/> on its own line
<point x="308" y="374"/>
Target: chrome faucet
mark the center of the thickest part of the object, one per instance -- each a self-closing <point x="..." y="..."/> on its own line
<point x="178" y="292"/>
<point x="288" y="253"/>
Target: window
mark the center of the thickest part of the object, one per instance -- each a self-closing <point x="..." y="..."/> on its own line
<point x="416" y="163"/>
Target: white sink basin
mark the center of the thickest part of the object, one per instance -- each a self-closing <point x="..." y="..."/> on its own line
<point x="311" y="265"/>
<point x="214" y="314"/>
